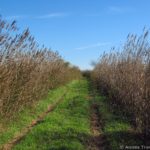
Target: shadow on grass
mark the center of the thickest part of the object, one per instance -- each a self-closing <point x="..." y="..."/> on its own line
<point x="70" y="139"/>
<point x="126" y="140"/>
<point x="74" y="140"/>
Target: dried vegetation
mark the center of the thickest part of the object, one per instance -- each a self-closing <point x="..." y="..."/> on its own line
<point x="124" y="76"/>
<point x="27" y="71"/>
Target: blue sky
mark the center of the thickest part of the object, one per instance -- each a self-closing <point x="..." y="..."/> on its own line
<point x="80" y="30"/>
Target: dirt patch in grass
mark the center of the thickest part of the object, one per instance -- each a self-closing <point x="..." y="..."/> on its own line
<point x="98" y="139"/>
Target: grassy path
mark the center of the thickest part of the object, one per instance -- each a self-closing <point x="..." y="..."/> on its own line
<point x="67" y="127"/>
<point x="83" y="120"/>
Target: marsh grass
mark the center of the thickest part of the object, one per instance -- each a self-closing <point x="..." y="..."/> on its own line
<point x="124" y="76"/>
<point x="27" y="71"/>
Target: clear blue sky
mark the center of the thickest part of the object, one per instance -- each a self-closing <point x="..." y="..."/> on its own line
<point x="80" y="30"/>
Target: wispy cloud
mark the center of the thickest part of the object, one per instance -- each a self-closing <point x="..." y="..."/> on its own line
<point x="52" y="15"/>
<point x="46" y="16"/>
<point x="99" y="44"/>
<point x="119" y="9"/>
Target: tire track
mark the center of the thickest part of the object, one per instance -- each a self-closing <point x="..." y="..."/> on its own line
<point x="98" y="139"/>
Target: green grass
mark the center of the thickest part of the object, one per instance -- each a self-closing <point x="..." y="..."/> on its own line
<point x="116" y="127"/>
<point x="67" y="127"/>
<point x="9" y="128"/>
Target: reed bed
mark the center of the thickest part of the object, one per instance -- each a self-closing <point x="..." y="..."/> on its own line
<point x="27" y="71"/>
<point x="124" y="76"/>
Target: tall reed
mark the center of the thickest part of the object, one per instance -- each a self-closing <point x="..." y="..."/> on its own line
<point x="124" y="76"/>
<point x="27" y="71"/>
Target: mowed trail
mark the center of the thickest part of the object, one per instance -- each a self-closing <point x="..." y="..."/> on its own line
<point x="72" y="123"/>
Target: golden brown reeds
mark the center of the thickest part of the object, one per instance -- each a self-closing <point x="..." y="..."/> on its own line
<point x="125" y="77"/>
<point x="27" y="71"/>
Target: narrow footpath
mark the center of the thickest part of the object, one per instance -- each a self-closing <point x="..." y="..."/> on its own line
<point x="73" y="122"/>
